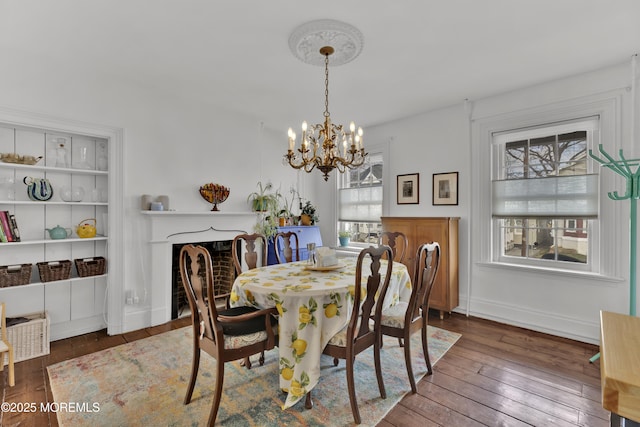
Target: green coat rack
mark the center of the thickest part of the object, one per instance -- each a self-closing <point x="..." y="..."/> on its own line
<point x="624" y="167"/>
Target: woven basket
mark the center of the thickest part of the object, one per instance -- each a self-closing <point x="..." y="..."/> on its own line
<point x="13" y="275"/>
<point x="54" y="270"/>
<point x="90" y="266"/>
<point x="30" y="339"/>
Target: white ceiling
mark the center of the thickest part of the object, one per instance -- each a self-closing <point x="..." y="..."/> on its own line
<point x="418" y="55"/>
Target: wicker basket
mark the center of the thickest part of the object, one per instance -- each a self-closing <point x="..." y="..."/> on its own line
<point x="54" y="270"/>
<point x="30" y="339"/>
<point x="90" y="266"/>
<point x="13" y="275"/>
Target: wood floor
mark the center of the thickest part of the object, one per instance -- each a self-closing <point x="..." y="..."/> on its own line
<point x="495" y="375"/>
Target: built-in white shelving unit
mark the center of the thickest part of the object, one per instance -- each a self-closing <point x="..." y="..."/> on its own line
<point x="69" y="160"/>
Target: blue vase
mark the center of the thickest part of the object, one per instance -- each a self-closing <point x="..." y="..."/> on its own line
<point x="344" y="241"/>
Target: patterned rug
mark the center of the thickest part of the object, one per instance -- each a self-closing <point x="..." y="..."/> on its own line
<point x="143" y="384"/>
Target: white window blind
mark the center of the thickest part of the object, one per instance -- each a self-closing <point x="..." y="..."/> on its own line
<point x="547" y="184"/>
<point x="573" y="196"/>
<point x="360" y="204"/>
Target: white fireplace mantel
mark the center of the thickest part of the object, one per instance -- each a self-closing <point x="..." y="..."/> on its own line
<point x="166" y="228"/>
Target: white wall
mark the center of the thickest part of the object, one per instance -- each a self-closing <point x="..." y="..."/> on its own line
<point x="439" y="141"/>
<point x="171" y="147"/>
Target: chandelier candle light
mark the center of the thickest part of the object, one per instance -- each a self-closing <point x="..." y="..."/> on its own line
<point x="326" y="146"/>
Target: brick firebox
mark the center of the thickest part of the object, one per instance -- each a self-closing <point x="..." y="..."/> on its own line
<point x="223" y="274"/>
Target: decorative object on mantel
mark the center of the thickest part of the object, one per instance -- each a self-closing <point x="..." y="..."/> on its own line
<point x="146" y="200"/>
<point x="16" y="158"/>
<point x="326" y="146"/>
<point x="214" y="193"/>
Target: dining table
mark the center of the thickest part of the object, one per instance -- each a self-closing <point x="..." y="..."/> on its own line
<point x="313" y="303"/>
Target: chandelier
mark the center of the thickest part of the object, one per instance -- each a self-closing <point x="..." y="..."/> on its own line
<point x="326" y="146"/>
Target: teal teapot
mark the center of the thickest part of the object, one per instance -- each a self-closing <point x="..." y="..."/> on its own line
<point x="58" y="232"/>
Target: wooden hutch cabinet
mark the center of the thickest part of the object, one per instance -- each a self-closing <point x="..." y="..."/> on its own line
<point x="444" y="230"/>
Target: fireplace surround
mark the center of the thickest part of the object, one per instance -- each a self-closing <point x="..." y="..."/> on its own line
<point x="164" y="229"/>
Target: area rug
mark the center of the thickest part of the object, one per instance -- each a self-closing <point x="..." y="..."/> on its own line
<point x="143" y="384"/>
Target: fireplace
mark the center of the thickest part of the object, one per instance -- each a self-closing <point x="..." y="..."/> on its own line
<point x="223" y="274"/>
<point x="166" y="229"/>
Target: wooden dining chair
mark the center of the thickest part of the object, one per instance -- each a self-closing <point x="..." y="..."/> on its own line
<point x="246" y="243"/>
<point x="6" y="347"/>
<point x="226" y="335"/>
<point x="285" y="254"/>
<point x="405" y="318"/>
<point x="360" y="334"/>
<point x="398" y="243"/>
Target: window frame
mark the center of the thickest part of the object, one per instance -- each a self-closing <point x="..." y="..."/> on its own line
<point x="605" y="255"/>
<point x="383" y="149"/>
<point x="499" y="143"/>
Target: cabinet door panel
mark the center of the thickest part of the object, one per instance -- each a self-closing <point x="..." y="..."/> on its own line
<point x="432" y="231"/>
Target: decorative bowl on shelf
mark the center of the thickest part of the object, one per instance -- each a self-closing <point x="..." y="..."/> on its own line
<point x="72" y="194"/>
<point x="214" y="193"/>
<point x="16" y="158"/>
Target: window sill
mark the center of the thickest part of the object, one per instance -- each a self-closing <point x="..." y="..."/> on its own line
<point x="552" y="271"/>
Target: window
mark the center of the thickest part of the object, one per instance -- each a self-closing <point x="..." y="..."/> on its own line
<point x="360" y="200"/>
<point x="544" y="198"/>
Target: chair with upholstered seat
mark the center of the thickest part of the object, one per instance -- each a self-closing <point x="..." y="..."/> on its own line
<point x="398" y="243"/>
<point x="5" y="347"/>
<point x="360" y="333"/>
<point x="253" y="258"/>
<point x="404" y="319"/>
<point x="226" y="335"/>
<point x="286" y="252"/>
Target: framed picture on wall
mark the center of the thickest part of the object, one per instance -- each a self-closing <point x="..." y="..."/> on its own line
<point x="409" y="189"/>
<point x="445" y="188"/>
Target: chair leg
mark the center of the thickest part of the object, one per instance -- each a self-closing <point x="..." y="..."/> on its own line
<point x="247" y="362"/>
<point x="425" y="349"/>
<point x="262" y="358"/>
<point x="352" y="392"/>
<point x="376" y="359"/>
<point x="336" y="361"/>
<point x="195" y="364"/>
<point x="400" y="342"/>
<point x="407" y="361"/>
<point x="308" y="403"/>
<point x="12" y="375"/>
<point x="217" y="393"/>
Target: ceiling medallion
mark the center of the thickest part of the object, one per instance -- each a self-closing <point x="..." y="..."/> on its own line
<point x="306" y="41"/>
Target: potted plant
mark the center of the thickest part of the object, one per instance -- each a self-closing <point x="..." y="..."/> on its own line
<point x="344" y="237"/>
<point x="308" y="214"/>
<point x="285" y="214"/>
<point x="263" y="200"/>
<point x="267" y="226"/>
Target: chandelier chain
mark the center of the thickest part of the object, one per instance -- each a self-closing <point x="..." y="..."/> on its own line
<point x="326" y="85"/>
